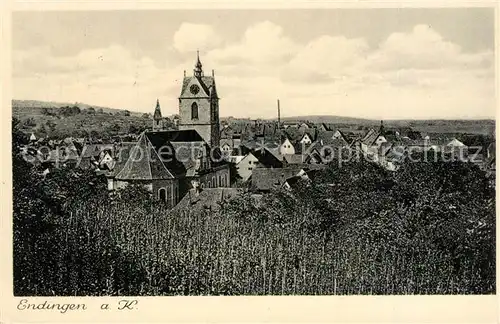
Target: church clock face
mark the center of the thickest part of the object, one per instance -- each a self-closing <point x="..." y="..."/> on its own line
<point x="194" y="89"/>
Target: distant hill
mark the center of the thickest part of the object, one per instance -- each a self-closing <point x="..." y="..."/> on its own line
<point x="450" y="126"/>
<point x="59" y="120"/>
<point x="329" y="119"/>
<point x="51" y="104"/>
<point x="33" y="115"/>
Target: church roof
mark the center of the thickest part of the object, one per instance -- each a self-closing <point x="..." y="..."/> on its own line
<point x="179" y="148"/>
<point x="188" y="135"/>
<point x="144" y="163"/>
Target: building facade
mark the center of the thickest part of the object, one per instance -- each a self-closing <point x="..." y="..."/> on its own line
<point x="199" y="105"/>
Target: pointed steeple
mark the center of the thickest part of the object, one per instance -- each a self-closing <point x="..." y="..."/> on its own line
<point x="198" y="68"/>
<point x="157" y="113"/>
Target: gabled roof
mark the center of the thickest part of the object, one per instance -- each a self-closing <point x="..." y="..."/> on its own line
<point x="325" y="127"/>
<point x="294" y="158"/>
<point x="370" y="138"/>
<point x="266" y="179"/>
<point x="308" y="135"/>
<point x="144" y="163"/>
<point x="93" y="150"/>
<point x="226" y="141"/>
<point x="267" y="159"/>
<point x="205" y="82"/>
<point x="384" y="148"/>
<point x="455" y="142"/>
<point x="370" y="133"/>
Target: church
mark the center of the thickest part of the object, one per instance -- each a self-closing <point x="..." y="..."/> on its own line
<point x="170" y="163"/>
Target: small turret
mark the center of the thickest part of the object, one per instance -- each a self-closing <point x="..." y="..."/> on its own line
<point x="198" y="68"/>
<point x="157" y="119"/>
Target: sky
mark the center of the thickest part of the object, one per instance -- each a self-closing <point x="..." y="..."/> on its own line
<point x="367" y="63"/>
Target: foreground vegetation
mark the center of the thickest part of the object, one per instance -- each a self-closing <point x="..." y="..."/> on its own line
<point x="427" y="229"/>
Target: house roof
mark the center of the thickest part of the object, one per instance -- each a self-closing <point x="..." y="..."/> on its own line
<point x="384" y="148"/>
<point x="305" y="175"/>
<point x="294" y="158"/>
<point x="455" y="142"/>
<point x="370" y="138"/>
<point x="265" y="179"/>
<point x="93" y="150"/>
<point x="325" y="135"/>
<point x="267" y="159"/>
<point x="325" y="127"/>
<point x="226" y="141"/>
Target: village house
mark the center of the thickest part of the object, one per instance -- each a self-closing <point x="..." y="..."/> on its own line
<point x="372" y="140"/>
<point x="246" y="165"/>
<point x="306" y="139"/>
<point x="226" y="146"/>
<point x="286" y="146"/>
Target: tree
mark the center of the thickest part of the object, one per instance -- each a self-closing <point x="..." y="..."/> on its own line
<point x="52" y="126"/>
<point x="115" y="128"/>
<point x="132" y="129"/>
<point x="29" y="122"/>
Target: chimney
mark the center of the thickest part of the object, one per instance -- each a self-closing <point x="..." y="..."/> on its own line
<point x="213" y="73"/>
<point x="279" y="113"/>
<point x="184" y="73"/>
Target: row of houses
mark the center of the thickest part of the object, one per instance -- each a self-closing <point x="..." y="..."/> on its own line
<point x="265" y="162"/>
<point x="390" y="149"/>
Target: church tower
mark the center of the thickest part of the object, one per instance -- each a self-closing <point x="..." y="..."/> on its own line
<point x="199" y="105"/>
<point x="157" y="119"/>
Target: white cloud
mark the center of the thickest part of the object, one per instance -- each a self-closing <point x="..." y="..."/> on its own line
<point x="417" y="74"/>
<point x="110" y="76"/>
<point x="263" y="43"/>
<point x="424" y="48"/>
<point x="190" y="37"/>
<point x="326" y="58"/>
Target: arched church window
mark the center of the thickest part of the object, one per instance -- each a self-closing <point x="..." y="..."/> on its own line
<point x="162" y="194"/>
<point x="194" y="111"/>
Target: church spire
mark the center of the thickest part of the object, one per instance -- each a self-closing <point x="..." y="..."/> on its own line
<point x="157" y="120"/>
<point x="198" y="71"/>
<point x="157" y="114"/>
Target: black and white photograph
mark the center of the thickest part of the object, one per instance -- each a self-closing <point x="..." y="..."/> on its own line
<point x="265" y="152"/>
